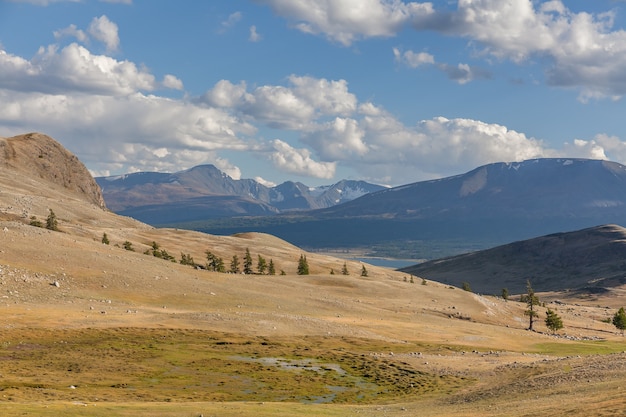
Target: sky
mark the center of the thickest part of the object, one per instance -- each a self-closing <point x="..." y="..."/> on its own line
<point x="387" y="91"/>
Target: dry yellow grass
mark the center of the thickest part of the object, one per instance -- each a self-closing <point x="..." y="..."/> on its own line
<point x="91" y="329"/>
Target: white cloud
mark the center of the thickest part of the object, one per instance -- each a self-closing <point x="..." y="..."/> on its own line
<point x="294" y="107"/>
<point x="346" y="21"/>
<point x="254" y="35"/>
<point x="170" y="81"/>
<point x="299" y="161"/>
<point x="226" y="94"/>
<point x="571" y="44"/>
<point x="463" y="73"/>
<point x="232" y="20"/>
<point x="71" y="31"/>
<point x="413" y="59"/>
<point x="102" y="29"/>
<point x="72" y="69"/>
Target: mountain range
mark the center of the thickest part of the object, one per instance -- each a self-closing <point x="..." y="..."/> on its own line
<point x="491" y="205"/>
<point x="205" y="192"/>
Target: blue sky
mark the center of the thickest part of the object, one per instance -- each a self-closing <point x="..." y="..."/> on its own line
<point x="387" y="91"/>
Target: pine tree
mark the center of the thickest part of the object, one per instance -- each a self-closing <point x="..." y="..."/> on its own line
<point x="303" y="266"/>
<point x="531" y="300"/>
<point x="51" y="221"/>
<point x="271" y="269"/>
<point x="344" y="269"/>
<point x="187" y="259"/>
<point x="105" y="239"/>
<point x="234" y="265"/>
<point x="214" y="263"/>
<point x="363" y="271"/>
<point x="247" y="263"/>
<point x="261" y="265"/>
<point x="466" y="287"/>
<point x="553" y="321"/>
<point x="619" y="320"/>
<point x="505" y="294"/>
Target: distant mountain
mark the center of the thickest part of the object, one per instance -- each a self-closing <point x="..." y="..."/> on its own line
<point x="205" y="192"/>
<point x="591" y="261"/>
<point x="490" y="205"/>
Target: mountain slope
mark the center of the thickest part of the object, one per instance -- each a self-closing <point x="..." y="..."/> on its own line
<point x="490" y="205"/>
<point x="591" y="260"/>
<point x="160" y="198"/>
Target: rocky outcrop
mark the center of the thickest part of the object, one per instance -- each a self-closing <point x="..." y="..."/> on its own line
<point x="40" y="156"/>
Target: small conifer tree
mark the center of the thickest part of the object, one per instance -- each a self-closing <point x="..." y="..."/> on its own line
<point x="247" y="263"/>
<point x="531" y="301"/>
<point x="619" y="320"/>
<point x="128" y="246"/>
<point x="466" y="286"/>
<point x="234" y="265"/>
<point x="261" y="265"/>
<point x="505" y="294"/>
<point x="271" y="268"/>
<point x="51" y="221"/>
<point x="363" y="271"/>
<point x="303" y="266"/>
<point x="553" y="321"/>
<point x="344" y="269"/>
<point x="105" y="239"/>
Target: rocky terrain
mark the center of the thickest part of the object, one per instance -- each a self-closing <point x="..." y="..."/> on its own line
<point x="91" y="329"/>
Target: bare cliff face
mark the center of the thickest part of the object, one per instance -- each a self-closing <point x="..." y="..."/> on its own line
<point x="38" y="155"/>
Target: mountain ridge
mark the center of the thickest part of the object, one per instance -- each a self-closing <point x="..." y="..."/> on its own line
<point x="587" y="261"/>
<point x="157" y="198"/>
<point x="491" y="205"/>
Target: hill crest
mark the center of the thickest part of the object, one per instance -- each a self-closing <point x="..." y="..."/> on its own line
<point x="38" y="155"/>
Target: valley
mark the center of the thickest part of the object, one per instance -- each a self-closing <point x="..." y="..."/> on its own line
<point x="91" y="329"/>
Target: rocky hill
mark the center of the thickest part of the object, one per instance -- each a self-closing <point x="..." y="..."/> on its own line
<point x="38" y="155"/>
<point x="205" y="192"/>
<point x="588" y="261"/>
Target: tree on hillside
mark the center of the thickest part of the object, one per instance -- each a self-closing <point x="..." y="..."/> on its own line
<point x="531" y="301"/>
<point x="214" y="262"/>
<point x="344" y="269"/>
<point x="128" y="246"/>
<point x="271" y="269"/>
<point x="505" y="294"/>
<point x="51" y="221"/>
<point x="619" y="320"/>
<point x="261" y="265"/>
<point x="186" y="259"/>
<point x="247" y="263"/>
<point x="234" y="265"/>
<point x="105" y="239"/>
<point x="553" y="321"/>
<point x="363" y="271"/>
<point x="466" y="286"/>
<point x="303" y="266"/>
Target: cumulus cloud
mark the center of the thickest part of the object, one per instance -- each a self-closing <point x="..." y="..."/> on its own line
<point x="102" y="29"/>
<point x="299" y="161"/>
<point x="73" y="68"/>
<point x="294" y="106"/>
<point x="569" y="44"/>
<point x="170" y="81"/>
<point x="413" y="59"/>
<point x="71" y="31"/>
<point x="346" y="21"/>
<point x="461" y="73"/>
